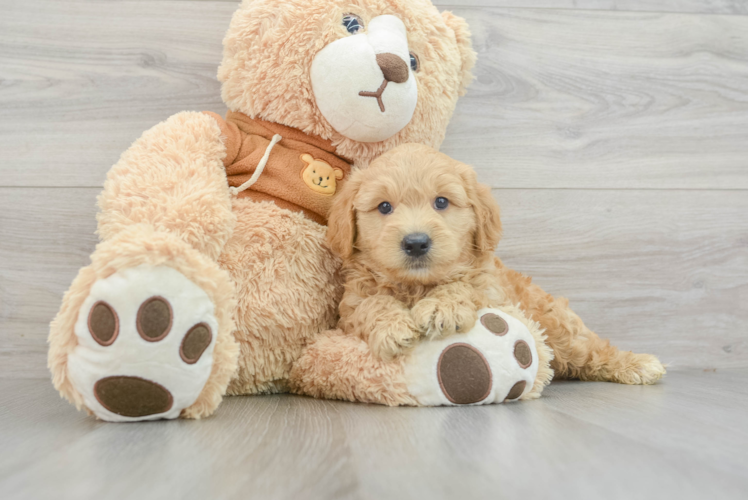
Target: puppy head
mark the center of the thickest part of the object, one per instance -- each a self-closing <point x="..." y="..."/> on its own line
<point x="414" y="214"/>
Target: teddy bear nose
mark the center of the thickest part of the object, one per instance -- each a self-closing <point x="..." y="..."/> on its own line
<point x="393" y="67"/>
<point x="416" y="244"/>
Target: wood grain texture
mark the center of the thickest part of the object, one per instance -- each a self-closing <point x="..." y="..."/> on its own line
<point x="738" y="7"/>
<point x="563" y="98"/>
<point x="683" y="438"/>
<point x="664" y="272"/>
<point x="606" y="100"/>
<point x="679" y="6"/>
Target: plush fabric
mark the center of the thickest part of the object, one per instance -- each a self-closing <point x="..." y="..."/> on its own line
<point x="260" y="258"/>
<point x="140" y="245"/>
<point x="271" y="45"/>
<point x="282" y="180"/>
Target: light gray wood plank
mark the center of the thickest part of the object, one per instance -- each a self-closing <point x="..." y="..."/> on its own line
<point x="563" y="98"/>
<point x="289" y="447"/>
<point x="677" y="6"/>
<point x="656" y="271"/>
<point x="606" y="100"/>
<point x="690" y="402"/>
<point x="82" y="80"/>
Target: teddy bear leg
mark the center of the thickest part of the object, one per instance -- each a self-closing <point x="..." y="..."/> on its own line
<point x="288" y="286"/>
<point x="144" y="332"/>
<point x="503" y="358"/>
<point x="339" y="366"/>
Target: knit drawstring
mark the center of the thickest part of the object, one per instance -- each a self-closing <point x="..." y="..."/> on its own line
<point x="260" y="167"/>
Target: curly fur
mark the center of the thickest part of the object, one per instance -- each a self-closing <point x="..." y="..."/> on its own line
<point x="390" y="304"/>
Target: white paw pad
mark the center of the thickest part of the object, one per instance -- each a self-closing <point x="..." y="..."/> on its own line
<point x="494" y="362"/>
<point x="145" y="345"/>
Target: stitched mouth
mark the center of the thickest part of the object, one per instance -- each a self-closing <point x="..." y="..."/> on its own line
<point x="318" y="184"/>
<point x="377" y="94"/>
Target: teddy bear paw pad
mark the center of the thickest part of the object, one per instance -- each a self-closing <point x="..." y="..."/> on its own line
<point x="145" y="345"/>
<point x="494" y="362"/>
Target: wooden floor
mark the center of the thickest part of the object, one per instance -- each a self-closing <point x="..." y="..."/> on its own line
<point x="615" y="136"/>
<point x="683" y="438"/>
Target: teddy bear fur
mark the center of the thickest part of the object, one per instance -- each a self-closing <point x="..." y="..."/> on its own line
<point x="341" y="366"/>
<point x="273" y="282"/>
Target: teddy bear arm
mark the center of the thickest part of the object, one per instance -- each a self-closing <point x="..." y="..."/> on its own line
<point x="172" y="178"/>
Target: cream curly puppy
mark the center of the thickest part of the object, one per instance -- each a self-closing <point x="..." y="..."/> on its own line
<point x="418" y="234"/>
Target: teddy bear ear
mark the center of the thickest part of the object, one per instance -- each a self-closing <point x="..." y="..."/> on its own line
<point x="338" y="174"/>
<point x="307" y="158"/>
<point x="464" y="42"/>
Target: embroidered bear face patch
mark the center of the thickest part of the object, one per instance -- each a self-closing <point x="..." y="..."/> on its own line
<point x="319" y="175"/>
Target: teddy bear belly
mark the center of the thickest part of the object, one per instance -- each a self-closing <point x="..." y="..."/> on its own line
<point x="287" y="289"/>
<point x="494" y="362"/>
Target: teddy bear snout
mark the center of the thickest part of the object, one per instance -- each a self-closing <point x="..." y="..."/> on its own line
<point x="393" y="68"/>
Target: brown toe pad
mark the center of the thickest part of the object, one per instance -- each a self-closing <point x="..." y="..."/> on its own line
<point x="154" y="319"/>
<point x="495" y="324"/>
<point x="516" y="390"/>
<point x="103" y="323"/>
<point x="195" y="343"/>
<point x="522" y="353"/>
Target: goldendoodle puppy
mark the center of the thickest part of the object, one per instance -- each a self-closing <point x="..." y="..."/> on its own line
<point x="418" y="235"/>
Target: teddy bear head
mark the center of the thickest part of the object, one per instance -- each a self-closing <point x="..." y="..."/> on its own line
<point x="365" y="74"/>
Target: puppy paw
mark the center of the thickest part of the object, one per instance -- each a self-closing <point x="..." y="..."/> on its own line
<point x="643" y="369"/>
<point x="437" y="319"/>
<point x="387" y="343"/>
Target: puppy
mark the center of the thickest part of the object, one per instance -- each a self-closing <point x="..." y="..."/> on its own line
<point x="417" y="233"/>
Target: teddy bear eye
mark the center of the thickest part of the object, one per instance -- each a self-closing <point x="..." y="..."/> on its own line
<point x="353" y="23"/>
<point x="385" y="208"/>
<point x="415" y="64"/>
<point x="441" y="203"/>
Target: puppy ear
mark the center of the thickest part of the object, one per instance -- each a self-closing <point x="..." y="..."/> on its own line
<point x="488" y="232"/>
<point x="467" y="54"/>
<point x="341" y="223"/>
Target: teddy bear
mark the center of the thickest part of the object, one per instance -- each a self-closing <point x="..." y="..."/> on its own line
<point x="212" y="273"/>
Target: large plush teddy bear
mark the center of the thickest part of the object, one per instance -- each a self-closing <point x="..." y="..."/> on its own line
<point x="212" y="273"/>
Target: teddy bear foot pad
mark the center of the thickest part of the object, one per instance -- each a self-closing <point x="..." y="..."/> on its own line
<point x="494" y="362"/>
<point x="145" y="345"/>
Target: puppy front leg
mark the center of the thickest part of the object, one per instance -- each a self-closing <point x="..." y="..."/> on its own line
<point x="385" y="324"/>
<point x="447" y="309"/>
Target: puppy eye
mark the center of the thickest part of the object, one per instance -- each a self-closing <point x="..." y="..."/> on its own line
<point x="415" y="64"/>
<point x="353" y="23"/>
<point x="441" y="203"/>
<point x="385" y="208"/>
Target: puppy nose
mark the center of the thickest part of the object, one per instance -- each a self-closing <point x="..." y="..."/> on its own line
<point x="393" y="67"/>
<point x="416" y="244"/>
